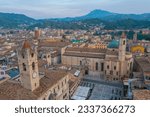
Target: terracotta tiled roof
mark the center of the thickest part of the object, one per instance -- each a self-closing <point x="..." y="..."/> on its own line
<point x="141" y="94"/>
<point x="123" y="35"/>
<point x="48" y="81"/>
<point x="26" y="45"/>
<point x="14" y="90"/>
<point x="90" y="52"/>
<point x="53" y="44"/>
<point x="101" y="56"/>
<point x="95" y="50"/>
<point x="10" y="90"/>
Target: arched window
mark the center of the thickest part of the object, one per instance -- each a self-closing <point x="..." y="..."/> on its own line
<point x="32" y="55"/>
<point x="24" y="67"/>
<point x="33" y="66"/>
<point x="124" y="42"/>
<point x="96" y="66"/>
<point x="102" y="66"/>
<point x="107" y="66"/>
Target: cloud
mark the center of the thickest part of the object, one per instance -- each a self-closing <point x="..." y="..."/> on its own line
<point x="69" y="8"/>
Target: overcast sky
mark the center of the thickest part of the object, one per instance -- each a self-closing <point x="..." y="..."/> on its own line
<point x="70" y="8"/>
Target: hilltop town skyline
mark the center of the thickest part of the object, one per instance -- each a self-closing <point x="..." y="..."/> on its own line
<point x="75" y="50"/>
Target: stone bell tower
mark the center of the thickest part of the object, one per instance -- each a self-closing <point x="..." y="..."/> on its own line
<point x="122" y="54"/>
<point x="28" y="66"/>
<point x="122" y="47"/>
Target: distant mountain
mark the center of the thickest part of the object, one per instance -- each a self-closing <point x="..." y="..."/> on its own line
<point x="95" y="18"/>
<point x="98" y="14"/>
<point x="92" y="15"/>
<point x="107" y="16"/>
<point x="11" y="20"/>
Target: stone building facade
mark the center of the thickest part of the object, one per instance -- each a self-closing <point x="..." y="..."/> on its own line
<point x="110" y="64"/>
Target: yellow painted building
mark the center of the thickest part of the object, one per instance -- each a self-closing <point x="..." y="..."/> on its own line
<point x="137" y="48"/>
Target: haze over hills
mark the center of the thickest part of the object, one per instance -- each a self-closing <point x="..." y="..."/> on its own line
<point x="94" y="18"/>
<point x="108" y="16"/>
<point x="11" y="20"/>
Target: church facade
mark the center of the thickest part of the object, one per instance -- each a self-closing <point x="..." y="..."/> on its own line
<point x="108" y="64"/>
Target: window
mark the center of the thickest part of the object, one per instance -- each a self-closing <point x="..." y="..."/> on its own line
<point x="2" y="73"/>
<point x="124" y="42"/>
<point x="62" y="84"/>
<point x="65" y="96"/>
<point x="120" y="93"/>
<point x="24" y="66"/>
<point x="116" y="91"/>
<point x="117" y="73"/>
<point x="111" y="72"/>
<point x="35" y="84"/>
<point x="107" y="66"/>
<point x="114" y="67"/>
<point x="102" y="66"/>
<point x="33" y="66"/>
<point x="80" y="62"/>
<point x="23" y="55"/>
<point x="96" y="66"/>
<point x="58" y="87"/>
<point x="32" y="54"/>
<point x="54" y="90"/>
<point x="112" y="91"/>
